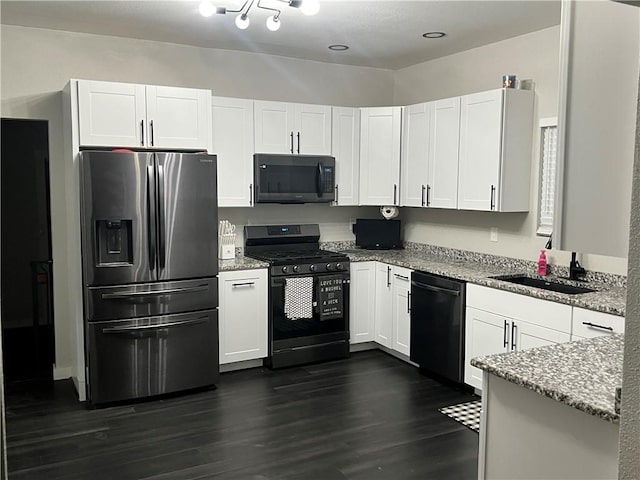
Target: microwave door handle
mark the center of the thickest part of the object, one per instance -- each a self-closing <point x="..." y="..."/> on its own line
<point x="320" y="178"/>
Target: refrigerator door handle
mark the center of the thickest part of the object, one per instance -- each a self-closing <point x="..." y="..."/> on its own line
<point x="171" y="291"/>
<point x="161" y="220"/>
<point x="151" y="215"/>
<point x="182" y="323"/>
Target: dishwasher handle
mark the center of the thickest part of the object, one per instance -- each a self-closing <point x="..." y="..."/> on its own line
<point x="433" y="288"/>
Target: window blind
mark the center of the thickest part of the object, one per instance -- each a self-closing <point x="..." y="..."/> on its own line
<point x="547" y="179"/>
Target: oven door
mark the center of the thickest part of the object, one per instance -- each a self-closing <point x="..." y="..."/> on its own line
<point x="294" y="178"/>
<point x="309" y="306"/>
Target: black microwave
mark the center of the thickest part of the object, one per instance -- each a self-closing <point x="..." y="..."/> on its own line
<point x="294" y="178"/>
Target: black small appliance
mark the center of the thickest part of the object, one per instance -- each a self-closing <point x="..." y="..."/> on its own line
<point x="377" y="234"/>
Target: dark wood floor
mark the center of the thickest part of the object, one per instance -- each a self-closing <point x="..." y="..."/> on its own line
<point x="368" y="417"/>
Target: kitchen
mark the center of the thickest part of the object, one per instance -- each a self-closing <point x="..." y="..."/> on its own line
<point x="27" y="93"/>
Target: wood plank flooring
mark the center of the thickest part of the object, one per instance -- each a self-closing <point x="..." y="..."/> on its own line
<point x="368" y="417"/>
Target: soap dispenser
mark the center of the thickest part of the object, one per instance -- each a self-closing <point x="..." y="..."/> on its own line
<point x="542" y="264"/>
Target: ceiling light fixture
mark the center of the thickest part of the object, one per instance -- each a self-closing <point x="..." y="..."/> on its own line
<point x="338" y="48"/>
<point x="434" y="35"/>
<point x="307" y="7"/>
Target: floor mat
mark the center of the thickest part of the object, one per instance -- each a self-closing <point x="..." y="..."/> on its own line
<point x="468" y="414"/>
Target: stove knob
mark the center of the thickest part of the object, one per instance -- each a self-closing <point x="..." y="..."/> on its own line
<point x="329" y="266"/>
<point x="296" y="268"/>
<point x="285" y="269"/>
<point x="339" y="266"/>
<point x="312" y="268"/>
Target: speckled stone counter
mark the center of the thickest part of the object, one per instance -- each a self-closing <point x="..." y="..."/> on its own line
<point x="608" y="297"/>
<point x="583" y="374"/>
<point x="240" y="263"/>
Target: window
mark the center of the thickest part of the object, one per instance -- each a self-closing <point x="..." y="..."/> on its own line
<point x="548" y="164"/>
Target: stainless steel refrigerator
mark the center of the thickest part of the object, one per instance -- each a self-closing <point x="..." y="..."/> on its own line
<point x="150" y="266"/>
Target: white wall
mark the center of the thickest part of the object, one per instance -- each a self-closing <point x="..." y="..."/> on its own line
<point x="37" y="63"/>
<point x="536" y="56"/>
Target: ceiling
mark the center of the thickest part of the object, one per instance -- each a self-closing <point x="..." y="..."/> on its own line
<point x="384" y="34"/>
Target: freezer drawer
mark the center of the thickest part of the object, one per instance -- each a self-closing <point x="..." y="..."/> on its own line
<point x="131" y="359"/>
<point x="149" y="299"/>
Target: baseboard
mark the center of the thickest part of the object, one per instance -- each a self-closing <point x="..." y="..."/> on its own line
<point x="232" y="367"/>
<point x="398" y="355"/>
<point x="60" y="373"/>
<point x="361" y="347"/>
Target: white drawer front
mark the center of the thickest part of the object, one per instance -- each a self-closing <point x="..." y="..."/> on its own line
<point x="589" y="324"/>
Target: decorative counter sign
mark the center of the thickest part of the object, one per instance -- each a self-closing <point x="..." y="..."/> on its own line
<point x="331" y="297"/>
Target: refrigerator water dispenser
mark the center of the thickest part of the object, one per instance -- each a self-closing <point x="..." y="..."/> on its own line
<point x="114" y="238"/>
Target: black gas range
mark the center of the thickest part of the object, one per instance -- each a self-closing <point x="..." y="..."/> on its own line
<point x="308" y="294"/>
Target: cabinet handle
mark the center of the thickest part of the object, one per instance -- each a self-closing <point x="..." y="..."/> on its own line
<point x="409" y="302"/>
<point x="142" y="133"/>
<point x="493" y="194"/>
<point x="428" y="195"/>
<point x="595" y="325"/>
<point x="514" y="330"/>
<point x="243" y="284"/>
<point x="298" y="142"/>
<point x="401" y="276"/>
<point x="505" y="343"/>
<point x="291" y="134"/>
<point x="151" y="126"/>
<point x="388" y="277"/>
<point x="423" y="189"/>
<point x="395" y="193"/>
<point x="336" y="199"/>
<point x="251" y="194"/>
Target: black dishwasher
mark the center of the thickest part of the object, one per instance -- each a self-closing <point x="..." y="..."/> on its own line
<point x="437" y="325"/>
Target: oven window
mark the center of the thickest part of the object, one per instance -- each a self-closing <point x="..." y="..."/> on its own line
<point x="297" y="311"/>
<point x="288" y="179"/>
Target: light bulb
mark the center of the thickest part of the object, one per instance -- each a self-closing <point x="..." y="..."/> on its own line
<point x="242" y="21"/>
<point x="310" y="7"/>
<point x="207" y="9"/>
<point x="273" y="23"/>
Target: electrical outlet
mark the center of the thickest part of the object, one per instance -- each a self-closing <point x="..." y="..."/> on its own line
<point x="493" y="236"/>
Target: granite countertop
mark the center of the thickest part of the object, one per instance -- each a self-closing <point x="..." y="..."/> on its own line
<point x="583" y="374"/>
<point x="608" y="297"/>
<point x="240" y="263"/>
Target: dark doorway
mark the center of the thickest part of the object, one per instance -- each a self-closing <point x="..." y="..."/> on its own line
<point x="26" y="283"/>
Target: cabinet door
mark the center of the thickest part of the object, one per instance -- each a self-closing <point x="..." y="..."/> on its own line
<point x="486" y="333"/>
<point x="380" y="155"/>
<point x="313" y="129"/>
<point x="232" y="127"/>
<point x="384" y="305"/>
<point x="589" y="324"/>
<point x="362" y="302"/>
<point x="442" y="190"/>
<point x="178" y="118"/>
<point x="111" y="114"/>
<point x="416" y="130"/>
<point x="527" y="335"/>
<point x="243" y="315"/>
<point x="401" y="310"/>
<point x="480" y="146"/>
<point x="345" y="141"/>
<point x="274" y="127"/>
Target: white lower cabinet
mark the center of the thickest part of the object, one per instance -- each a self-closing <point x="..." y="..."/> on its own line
<point x="401" y="284"/>
<point x="243" y="315"/>
<point x="383" y="305"/>
<point x="362" y="302"/>
<point x="589" y="324"/>
<point x="499" y="321"/>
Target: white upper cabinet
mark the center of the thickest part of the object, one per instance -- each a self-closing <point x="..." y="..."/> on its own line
<point x="496" y="129"/>
<point x="442" y="189"/>
<point x="291" y="128"/>
<point x="345" y="140"/>
<point x="416" y="129"/>
<point x="129" y="115"/>
<point x="232" y="127"/>
<point x="380" y="155"/>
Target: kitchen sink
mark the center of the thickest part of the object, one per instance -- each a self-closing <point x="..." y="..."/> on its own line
<point x="544" y="284"/>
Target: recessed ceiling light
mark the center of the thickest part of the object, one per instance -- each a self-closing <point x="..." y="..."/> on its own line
<point x="338" y="48"/>
<point x="434" y="34"/>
